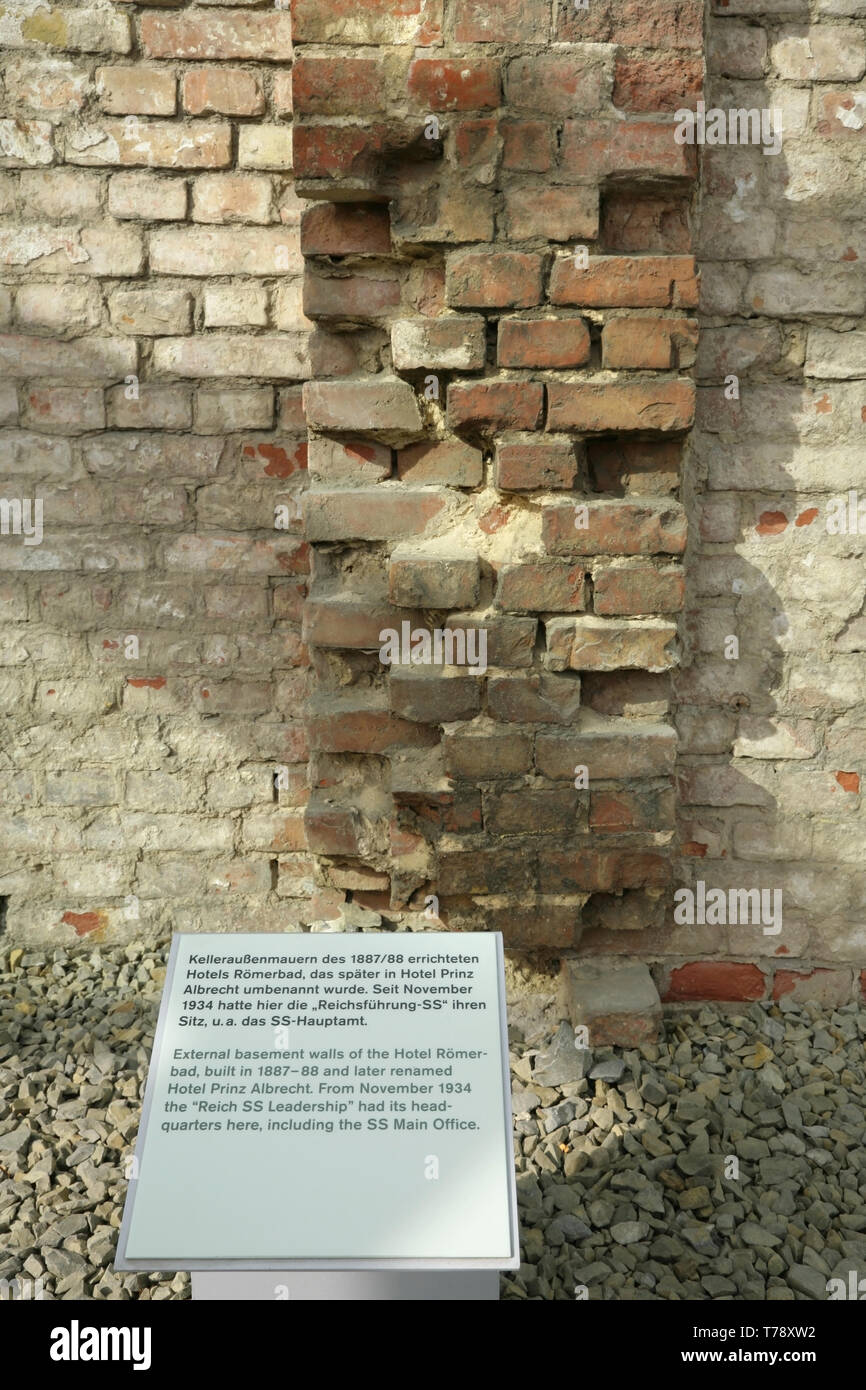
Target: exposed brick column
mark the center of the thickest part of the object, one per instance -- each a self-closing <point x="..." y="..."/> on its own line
<point x="507" y="456"/>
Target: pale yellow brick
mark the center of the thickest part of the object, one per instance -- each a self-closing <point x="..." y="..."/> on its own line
<point x="58" y="307"/>
<point x="232" y="198"/>
<point x="148" y="197"/>
<point x="43" y="83"/>
<point x="265" y="147"/>
<point x="224" y="251"/>
<point x="154" y="144"/>
<point x="136" y="89"/>
<point x="59" y="194"/>
<point x="152" y="311"/>
<point x="235" y="306"/>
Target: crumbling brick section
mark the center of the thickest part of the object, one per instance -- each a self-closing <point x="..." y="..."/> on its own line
<point x="499" y="225"/>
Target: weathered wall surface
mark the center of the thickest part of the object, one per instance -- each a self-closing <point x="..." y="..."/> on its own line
<point x="511" y="456"/>
<point x="772" y="742"/>
<point x="504" y="221"/>
<point x="153" y="345"/>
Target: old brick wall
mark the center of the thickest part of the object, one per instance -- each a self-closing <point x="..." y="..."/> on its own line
<point x="485" y="222"/>
<point x="153" y="345"/>
<point x="772" y="742"/>
<point x="503" y="222"/>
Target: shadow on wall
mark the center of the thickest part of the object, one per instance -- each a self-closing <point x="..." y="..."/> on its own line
<point x="766" y="792"/>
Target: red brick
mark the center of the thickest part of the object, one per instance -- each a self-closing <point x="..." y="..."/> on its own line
<point x="543" y="343"/>
<point x="633" y="282"/>
<point x="455" y="85"/>
<point x="655" y="343"/>
<point x="631" y="748"/>
<point x="638" y="467"/>
<point x="378" y="404"/>
<point x="557" y="214"/>
<point x="543" y="924"/>
<point x="551" y="586"/>
<point x="476" y="141"/>
<point x="492" y="871"/>
<point x="600" y="871"/>
<point x="510" y="641"/>
<point x="537" y="698"/>
<point x="369" y="514"/>
<point x="447" y="461"/>
<point x="559" y="84"/>
<point x="486" y="755"/>
<point x="228" y="91"/>
<point x="523" y="467"/>
<point x="621" y="405"/>
<point x="494" y="279"/>
<point x="620" y="812"/>
<point x="538" y="811"/>
<point x="205" y="34"/>
<point x="632" y="221"/>
<point x="347" y="623"/>
<point x="495" y="405"/>
<point x="433" y="581"/>
<point x="361" y="723"/>
<point x="662" y="82"/>
<point x="627" y="694"/>
<point x="450" y="811"/>
<point x="433" y="698"/>
<point x="351" y="298"/>
<point x="334" y="151"/>
<point x="616" y="527"/>
<point x="639" y="148"/>
<point x="273" y="830"/>
<point x="333" y="86"/>
<point x="638" y="590"/>
<point x="710" y="979"/>
<point x="416" y="22"/>
<point x="332" y="354"/>
<point x="603" y="644"/>
<point x="634" y="24"/>
<point x="502" y="21"/>
<point x="528" y="146"/>
<point x="345" y="229"/>
<point x="332" y="829"/>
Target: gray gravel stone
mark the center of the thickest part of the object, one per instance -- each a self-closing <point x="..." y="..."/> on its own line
<point x="807" y="1281"/>
<point x="623" y="1165"/>
<point x="562" y="1062"/>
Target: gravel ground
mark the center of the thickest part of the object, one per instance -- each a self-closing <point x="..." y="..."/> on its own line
<point x="723" y="1163"/>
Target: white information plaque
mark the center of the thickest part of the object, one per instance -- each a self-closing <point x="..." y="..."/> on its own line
<point x="326" y="1101"/>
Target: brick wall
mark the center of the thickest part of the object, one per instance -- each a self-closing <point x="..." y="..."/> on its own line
<point x="153" y="346"/>
<point x="772" y="742"/>
<point x="502" y="220"/>
<point x="468" y="227"/>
